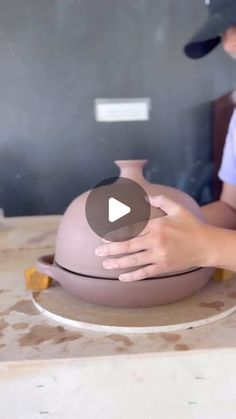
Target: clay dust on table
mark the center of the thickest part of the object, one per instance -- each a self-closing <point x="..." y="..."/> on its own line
<point x="43" y="333"/>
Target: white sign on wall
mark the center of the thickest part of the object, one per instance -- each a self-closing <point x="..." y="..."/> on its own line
<point x="118" y="110"/>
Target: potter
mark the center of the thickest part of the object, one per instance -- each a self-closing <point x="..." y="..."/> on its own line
<point x="180" y="240"/>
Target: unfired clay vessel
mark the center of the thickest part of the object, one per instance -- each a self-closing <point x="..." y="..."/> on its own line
<point x="76" y="241"/>
<point x="114" y="293"/>
<point x="80" y="271"/>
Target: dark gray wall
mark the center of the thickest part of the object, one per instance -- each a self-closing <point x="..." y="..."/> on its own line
<point x="57" y="56"/>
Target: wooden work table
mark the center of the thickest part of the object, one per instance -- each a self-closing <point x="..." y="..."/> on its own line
<point x="56" y="371"/>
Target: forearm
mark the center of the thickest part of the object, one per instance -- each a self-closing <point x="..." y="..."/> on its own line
<point x="220" y="214"/>
<point x="221" y="248"/>
<point x="221" y="240"/>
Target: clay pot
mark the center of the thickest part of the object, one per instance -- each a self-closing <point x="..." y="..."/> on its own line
<point x="76" y="241"/>
<point x="77" y="268"/>
<point x="114" y="293"/>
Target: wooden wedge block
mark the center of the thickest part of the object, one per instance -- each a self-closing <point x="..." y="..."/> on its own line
<point x="223" y="275"/>
<point x="36" y="281"/>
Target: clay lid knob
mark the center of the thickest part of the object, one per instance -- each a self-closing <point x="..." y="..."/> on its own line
<point x="132" y="169"/>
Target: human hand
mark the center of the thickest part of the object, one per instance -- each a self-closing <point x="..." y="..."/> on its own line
<point x="175" y="242"/>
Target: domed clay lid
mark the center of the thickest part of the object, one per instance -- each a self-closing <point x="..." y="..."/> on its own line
<point x="76" y="241"/>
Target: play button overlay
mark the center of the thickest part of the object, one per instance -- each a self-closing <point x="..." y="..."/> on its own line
<point x="117" y="209"/>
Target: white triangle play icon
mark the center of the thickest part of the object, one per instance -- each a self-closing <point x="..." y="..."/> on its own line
<point x="117" y="210"/>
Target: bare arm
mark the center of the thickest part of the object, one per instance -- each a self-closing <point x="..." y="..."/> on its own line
<point x="223" y="241"/>
<point x="222" y="213"/>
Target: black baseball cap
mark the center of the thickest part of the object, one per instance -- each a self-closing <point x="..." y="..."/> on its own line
<point x="221" y="16"/>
